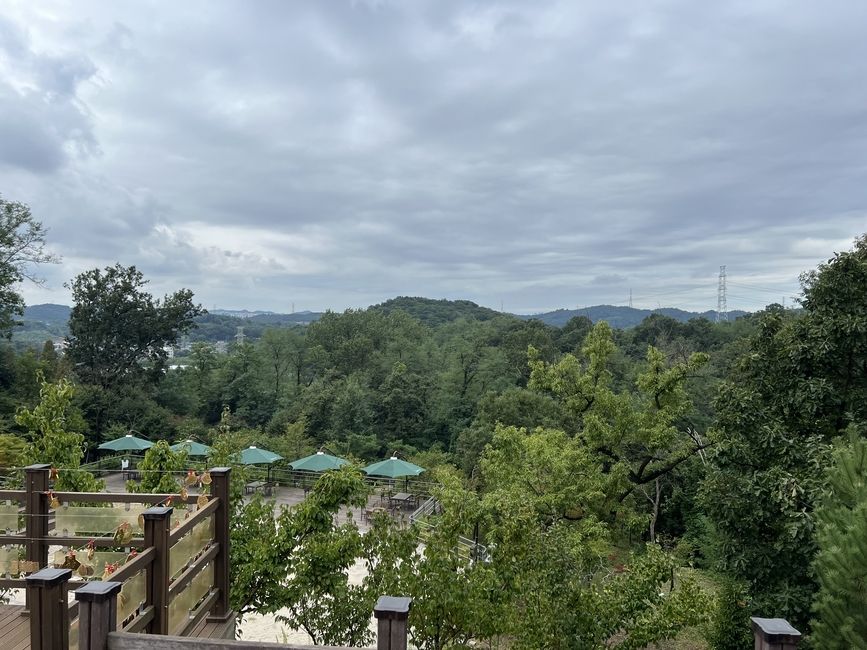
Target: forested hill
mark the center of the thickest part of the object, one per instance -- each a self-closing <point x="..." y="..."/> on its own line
<point x="437" y="312"/>
<point x="49" y="321"/>
<point x="623" y="317"/>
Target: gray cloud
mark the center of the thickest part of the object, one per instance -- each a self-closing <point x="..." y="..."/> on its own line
<point x="541" y="154"/>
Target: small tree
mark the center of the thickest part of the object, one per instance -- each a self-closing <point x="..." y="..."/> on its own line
<point x="841" y="564"/>
<point x="159" y="468"/>
<point x="51" y="439"/>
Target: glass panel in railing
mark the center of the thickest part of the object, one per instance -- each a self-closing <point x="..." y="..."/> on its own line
<point x="86" y="520"/>
<point x="88" y="567"/>
<point x="73" y="634"/>
<point x="184" y="603"/>
<point x="9" y="560"/>
<point x="8" y="518"/>
<point x="132" y="594"/>
<point x="190" y="546"/>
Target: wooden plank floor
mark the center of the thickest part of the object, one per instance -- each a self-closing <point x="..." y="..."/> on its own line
<point x="15" y="628"/>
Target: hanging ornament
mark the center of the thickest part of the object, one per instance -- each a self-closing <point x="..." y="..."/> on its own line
<point x="70" y="561"/>
<point x="184" y="494"/>
<point x="123" y="534"/>
<point x="141" y="521"/>
<point x="191" y="478"/>
<point x="55" y="502"/>
<point x="206" y="478"/>
<point x="91" y="549"/>
<point x="202" y="501"/>
<point x="53" y="473"/>
<point x="109" y="569"/>
<point x="85" y="570"/>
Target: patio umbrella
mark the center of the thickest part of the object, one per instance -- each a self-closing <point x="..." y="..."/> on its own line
<point x="192" y="448"/>
<point x="252" y="455"/>
<point x="393" y="467"/>
<point x="318" y="462"/>
<point x="128" y="442"/>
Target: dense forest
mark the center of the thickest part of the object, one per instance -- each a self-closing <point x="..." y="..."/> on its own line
<point x="631" y="484"/>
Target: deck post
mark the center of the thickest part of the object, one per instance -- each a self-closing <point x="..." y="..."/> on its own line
<point x="391" y="622"/>
<point x="774" y="634"/>
<point x="220" y="490"/>
<point x="36" y="510"/>
<point x="156" y="534"/>
<point x="97" y="614"/>
<point x="36" y="519"/>
<point x="49" y="612"/>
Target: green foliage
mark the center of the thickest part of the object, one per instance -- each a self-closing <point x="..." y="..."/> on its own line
<point x="799" y="385"/>
<point x="841" y="562"/>
<point x="729" y="627"/>
<point x="160" y="470"/>
<point x="636" y="437"/>
<point x="50" y="426"/>
<point x="115" y="326"/>
<point x="299" y="560"/>
<point x="13" y="451"/>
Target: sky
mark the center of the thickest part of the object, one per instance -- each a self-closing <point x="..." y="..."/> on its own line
<point x="523" y="155"/>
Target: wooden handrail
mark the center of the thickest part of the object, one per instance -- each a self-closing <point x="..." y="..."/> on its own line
<point x="135" y="542"/>
<point x="140" y="622"/>
<point x="188" y="524"/>
<point x="123" y="497"/>
<point x="193" y="570"/>
<point x="140" y="562"/>
<point x="13" y="495"/>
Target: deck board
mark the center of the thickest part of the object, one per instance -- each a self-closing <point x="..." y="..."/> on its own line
<point x="15" y="628"/>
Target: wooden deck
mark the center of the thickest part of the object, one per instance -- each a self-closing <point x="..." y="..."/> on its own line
<point x="15" y="628"/>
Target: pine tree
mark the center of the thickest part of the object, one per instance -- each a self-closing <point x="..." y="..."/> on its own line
<point x="840" y="606"/>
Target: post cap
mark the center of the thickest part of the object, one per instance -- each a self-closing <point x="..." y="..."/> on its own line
<point x="37" y="468"/>
<point x="157" y="512"/>
<point x="220" y="470"/>
<point x="97" y="591"/>
<point x="392" y="607"/>
<point x="775" y="629"/>
<point x="48" y="577"/>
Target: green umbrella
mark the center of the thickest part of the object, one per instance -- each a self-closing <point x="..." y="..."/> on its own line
<point x="254" y="456"/>
<point x="318" y="462"/>
<point x="393" y="467"/>
<point x="128" y="442"/>
<point x="192" y="448"/>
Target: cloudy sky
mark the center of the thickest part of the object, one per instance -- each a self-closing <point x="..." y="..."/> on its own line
<point x="531" y="154"/>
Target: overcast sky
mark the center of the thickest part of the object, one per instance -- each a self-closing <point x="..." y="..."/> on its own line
<point x="536" y="154"/>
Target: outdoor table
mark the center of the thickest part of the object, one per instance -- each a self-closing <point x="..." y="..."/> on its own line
<point x="254" y="486"/>
<point x="402" y="498"/>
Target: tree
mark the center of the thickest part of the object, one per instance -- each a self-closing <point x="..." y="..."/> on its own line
<point x="50" y="426"/>
<point x="159" y="470"/>
<point x="639" y="437"/>
<point x="117" y="331"/>
<point x="841" y="563"/>
<point x="22" y="246"/>
<point x="798" y="386"/>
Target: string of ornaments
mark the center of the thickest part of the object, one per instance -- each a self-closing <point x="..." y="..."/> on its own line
<point x="123" y="534"/>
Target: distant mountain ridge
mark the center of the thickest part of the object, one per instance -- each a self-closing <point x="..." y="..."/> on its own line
<point x="624" y="317"/>
<point x="50" y="321"/>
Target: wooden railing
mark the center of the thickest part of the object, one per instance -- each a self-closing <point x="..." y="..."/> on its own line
<point x="99" y="606"/>
<point x="175" y="573"/>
